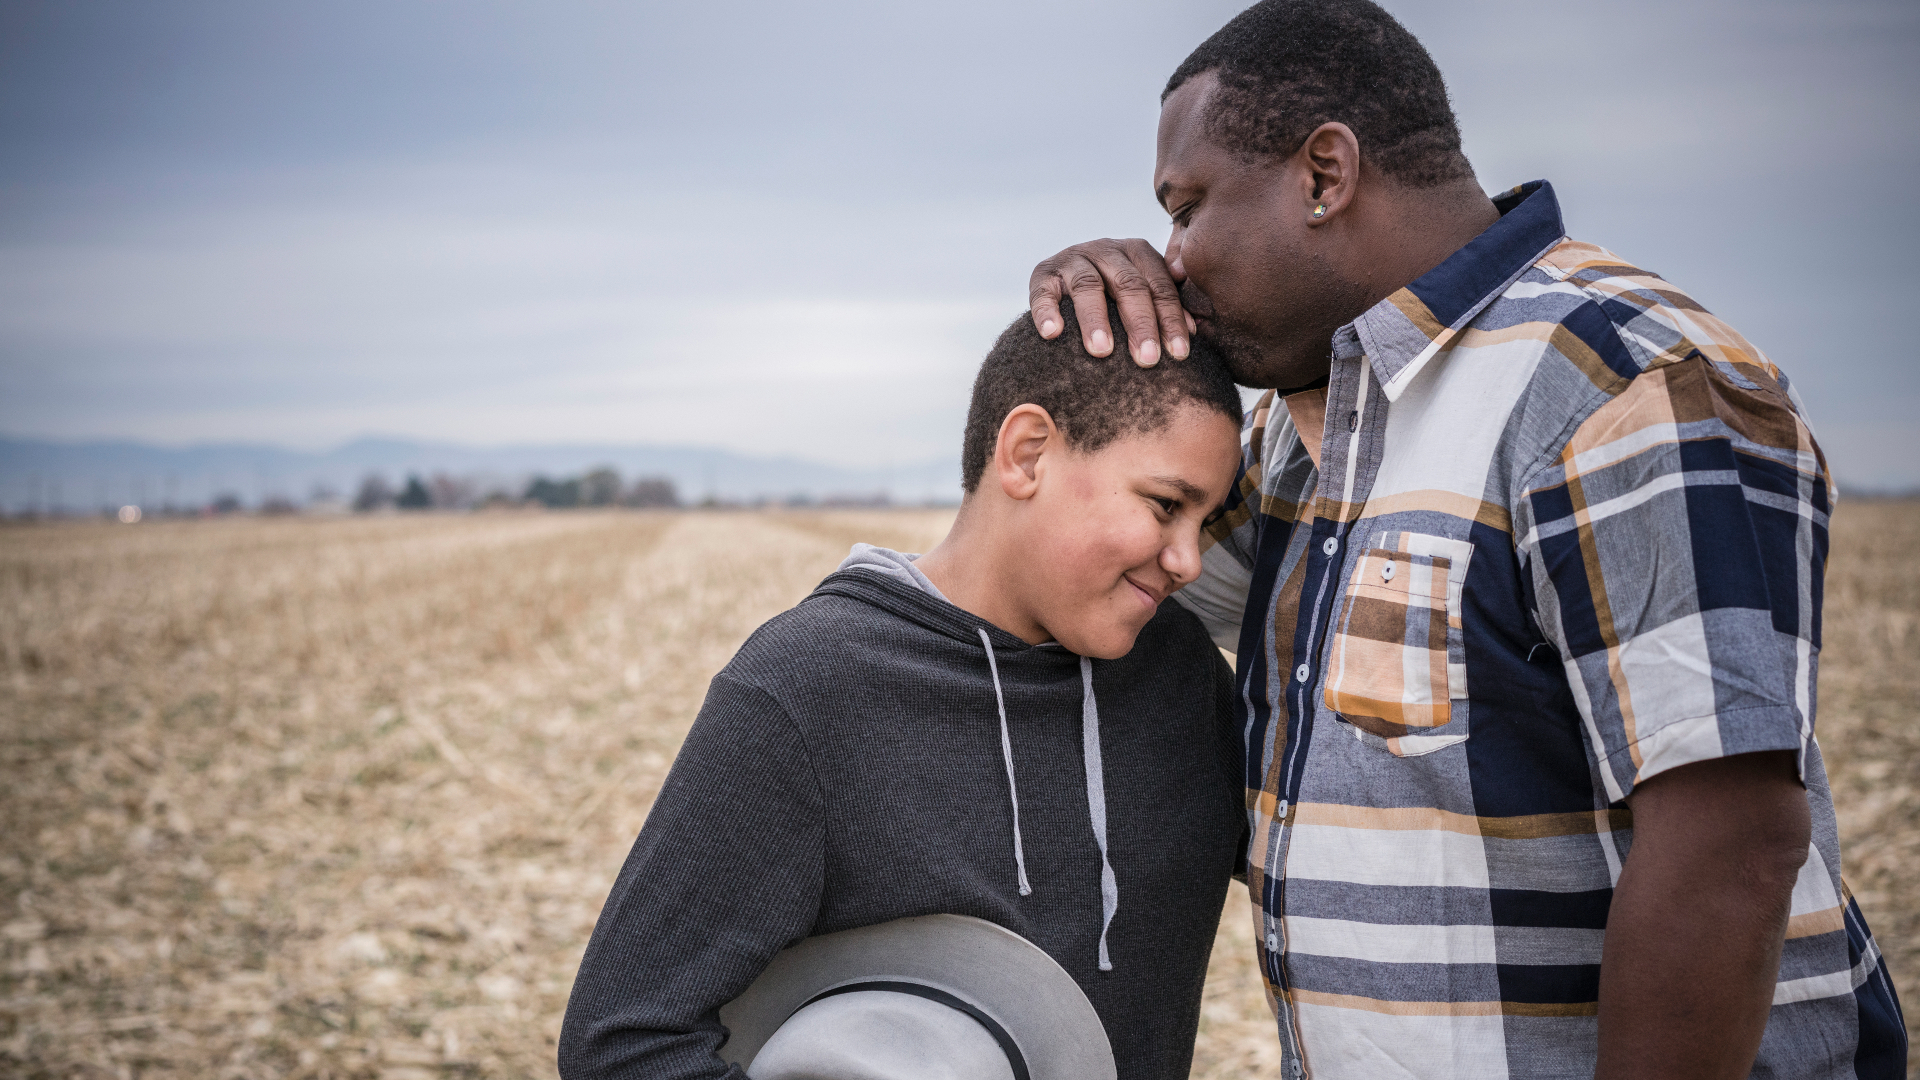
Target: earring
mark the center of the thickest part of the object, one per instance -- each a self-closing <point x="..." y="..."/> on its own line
<point x="1320" y="211"/>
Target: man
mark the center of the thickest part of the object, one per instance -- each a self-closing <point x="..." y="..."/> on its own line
<point x="1523" y="574"/>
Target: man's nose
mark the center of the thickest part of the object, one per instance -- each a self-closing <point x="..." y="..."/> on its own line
<point x="1174" y="265"/>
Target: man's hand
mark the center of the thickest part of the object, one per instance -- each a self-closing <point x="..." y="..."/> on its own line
<point x="1698" y="918"/>
<point x="1137" y="277"/>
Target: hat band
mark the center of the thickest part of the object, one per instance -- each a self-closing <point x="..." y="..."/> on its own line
<point x="934" y="993"/>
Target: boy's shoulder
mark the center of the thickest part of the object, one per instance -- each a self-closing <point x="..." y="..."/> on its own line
<point x="816" y="624"/>
<point x="845" y="621"/>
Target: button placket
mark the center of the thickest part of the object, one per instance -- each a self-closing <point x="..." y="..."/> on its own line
<point x="1352" y="383"/>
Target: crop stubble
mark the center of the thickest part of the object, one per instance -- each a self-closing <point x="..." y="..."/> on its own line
<point x="342" y="797"/>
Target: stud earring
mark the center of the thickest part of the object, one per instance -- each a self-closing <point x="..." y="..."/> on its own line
<point x="1320" y="211"/>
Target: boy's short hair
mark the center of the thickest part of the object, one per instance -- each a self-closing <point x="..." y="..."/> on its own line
<point x="1093" y="400"/>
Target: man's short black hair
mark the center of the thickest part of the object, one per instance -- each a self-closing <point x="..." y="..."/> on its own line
<point x="1287" y="66"/>
<point x="1093" y="401"/>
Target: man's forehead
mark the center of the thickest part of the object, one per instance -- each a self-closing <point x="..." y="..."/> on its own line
<point x="1182" y="131"/>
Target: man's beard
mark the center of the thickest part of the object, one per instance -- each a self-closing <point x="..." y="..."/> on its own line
<point x="1255" y="359"/>
<point x="1238" y="351"/>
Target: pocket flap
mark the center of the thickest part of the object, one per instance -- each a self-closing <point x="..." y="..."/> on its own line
<point x="1458" y="554"/>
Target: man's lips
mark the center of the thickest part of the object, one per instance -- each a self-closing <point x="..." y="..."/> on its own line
<point x="1196" y="302"/>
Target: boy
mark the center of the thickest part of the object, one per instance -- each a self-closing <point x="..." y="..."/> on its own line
<point x="1016" y="727"/>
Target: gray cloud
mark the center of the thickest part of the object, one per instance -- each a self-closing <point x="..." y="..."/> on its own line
<point x="795" y="229"/>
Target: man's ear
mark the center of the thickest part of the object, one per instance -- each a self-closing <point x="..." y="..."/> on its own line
<point x="1330" y="158"/>
<point x="1024" y="436"/>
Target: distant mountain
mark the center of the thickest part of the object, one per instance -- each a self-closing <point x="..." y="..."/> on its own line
<point x="46" y="476"/>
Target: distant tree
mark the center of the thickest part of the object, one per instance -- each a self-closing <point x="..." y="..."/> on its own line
<point x="600" y="487"/>
<point x="652" y="491"/>
<point x="375" y="493"/>
<point x="554" y="494"/>
<point x="874" y="500"/>
<point x="225" y="503"/>
<point x="416" y="496"/>
<point x="449" y="492"/>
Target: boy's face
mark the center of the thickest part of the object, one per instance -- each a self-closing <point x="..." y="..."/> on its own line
<point x="1113" y="533"/>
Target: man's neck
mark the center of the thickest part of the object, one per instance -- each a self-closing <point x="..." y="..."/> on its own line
<point x="1396" y="235"/>
<point x="1409" y="231"/>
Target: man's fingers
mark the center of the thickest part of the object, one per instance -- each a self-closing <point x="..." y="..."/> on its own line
<point x="1175" y="324"/>
<point x="1043" y="297"/>
<point x="1046" y="314"/>
<point x="1148" y="299"/>
<point x="1129" y="291"/>
<point x="1089" y="291"/>
<point x="1170" y="316"/>
<point x="1135" y="275"/>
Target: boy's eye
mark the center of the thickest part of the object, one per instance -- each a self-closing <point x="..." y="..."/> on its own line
<point x="1167" y="506"/>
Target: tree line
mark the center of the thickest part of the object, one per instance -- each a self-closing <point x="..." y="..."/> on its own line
<point x="601" y="486"/>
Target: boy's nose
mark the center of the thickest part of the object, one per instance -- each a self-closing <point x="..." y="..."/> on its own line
<point x="1181" y="559"/>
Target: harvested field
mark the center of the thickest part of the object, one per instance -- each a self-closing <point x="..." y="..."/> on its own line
<point x="341" y="798"/>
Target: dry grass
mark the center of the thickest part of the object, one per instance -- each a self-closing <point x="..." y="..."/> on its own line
<point x="341" y="798"/>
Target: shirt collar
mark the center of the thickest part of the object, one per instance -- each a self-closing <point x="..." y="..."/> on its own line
<point x="1404" y="331"/>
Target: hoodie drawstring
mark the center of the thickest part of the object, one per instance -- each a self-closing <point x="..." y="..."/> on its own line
<point x="1096" y="789"/>
<point x="1097" y="803"/>
<point x="1006" y="749"/>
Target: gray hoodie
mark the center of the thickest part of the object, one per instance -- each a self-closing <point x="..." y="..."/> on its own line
<point x="876" y="753"/>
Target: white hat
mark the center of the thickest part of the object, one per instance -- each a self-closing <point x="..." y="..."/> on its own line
<point x="937" y="997"/>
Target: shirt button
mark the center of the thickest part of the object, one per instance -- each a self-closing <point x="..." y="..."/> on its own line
<point x="1386" y="572"/>
<point x="1301" y="673"/>
<point x="1273" y="943"/>
<point x="1330" y="546"/>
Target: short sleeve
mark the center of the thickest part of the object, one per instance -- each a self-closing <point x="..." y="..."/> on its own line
<point x="1676" y="548"/>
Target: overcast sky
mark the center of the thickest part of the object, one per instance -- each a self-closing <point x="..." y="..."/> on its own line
<point x="796" y="228"/>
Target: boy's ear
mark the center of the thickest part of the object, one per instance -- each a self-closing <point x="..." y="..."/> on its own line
<point x="1024" y="436"/>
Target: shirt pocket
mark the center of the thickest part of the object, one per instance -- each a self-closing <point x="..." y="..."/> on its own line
<point x="1398" y="653"/>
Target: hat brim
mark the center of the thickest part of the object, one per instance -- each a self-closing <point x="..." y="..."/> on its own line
<point x="988" y="966"/>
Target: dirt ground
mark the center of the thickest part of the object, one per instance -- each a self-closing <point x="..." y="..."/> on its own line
<point x="341" y="798"/>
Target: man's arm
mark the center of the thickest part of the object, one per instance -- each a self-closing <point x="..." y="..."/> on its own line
<point x="1698" y="918"/>
<point x="1137" y="277"/>
<point x="1675" y="549"/>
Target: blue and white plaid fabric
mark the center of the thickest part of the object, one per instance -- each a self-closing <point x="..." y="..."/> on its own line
<point x="1567" y="532"/>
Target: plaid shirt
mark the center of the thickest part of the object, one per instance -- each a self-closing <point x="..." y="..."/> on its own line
<point x="1567" y="533"/>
